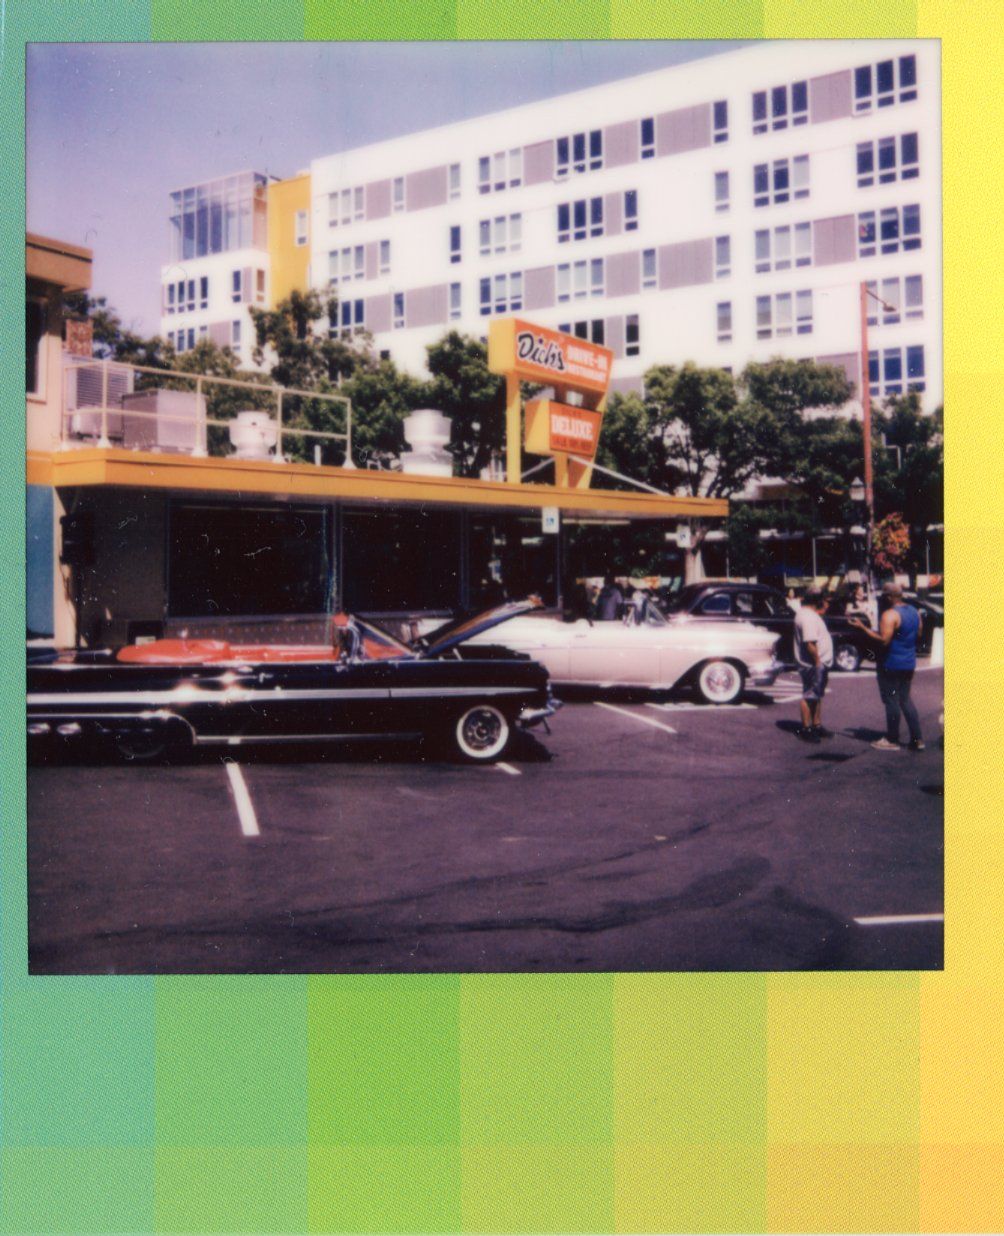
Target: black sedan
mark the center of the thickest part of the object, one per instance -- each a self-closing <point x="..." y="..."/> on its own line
<point x="725" y="600"/>
<point x="170" y="694"/>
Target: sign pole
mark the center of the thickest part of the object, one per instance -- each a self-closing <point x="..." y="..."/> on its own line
<point x="513" y="455"/>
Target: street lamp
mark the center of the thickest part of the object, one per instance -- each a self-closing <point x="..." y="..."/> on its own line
<point x="866" y="406"/>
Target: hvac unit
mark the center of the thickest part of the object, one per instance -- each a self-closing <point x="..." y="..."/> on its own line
<point x="171" y="421"/>
<point x="84" y="388"/>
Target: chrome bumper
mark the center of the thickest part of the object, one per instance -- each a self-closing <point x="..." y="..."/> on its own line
<point x="765" y="675"/>
<point x="530" y="717"/>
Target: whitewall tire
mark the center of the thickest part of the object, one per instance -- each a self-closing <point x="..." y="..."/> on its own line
<point x="481" y="733"/>
<point x="720" y="682"/>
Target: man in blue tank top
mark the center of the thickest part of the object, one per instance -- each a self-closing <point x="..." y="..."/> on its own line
<point x="899" y="630"/>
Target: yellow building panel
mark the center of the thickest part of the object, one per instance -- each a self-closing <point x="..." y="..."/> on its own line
<point x="242" y="477"/>
<point x="289" y="260"/>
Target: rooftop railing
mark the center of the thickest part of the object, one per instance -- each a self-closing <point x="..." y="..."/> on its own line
<point x="110" y="403"/>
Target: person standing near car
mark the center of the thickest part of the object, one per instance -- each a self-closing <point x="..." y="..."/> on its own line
<point x="610" y="602"/>
<point x="814" y="654"/>
<point x="897" y="636"/>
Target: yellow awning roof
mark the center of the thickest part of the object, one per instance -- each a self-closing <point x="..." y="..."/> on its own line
<point x="93" y="466"/>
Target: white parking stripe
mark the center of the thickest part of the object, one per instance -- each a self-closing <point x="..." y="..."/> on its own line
<point x="508" y="768"/>
<point x="242" y="799"/>
<point x="636" y="717"/>
<point x="699" y="707"/>
<point x="892" y="920"/>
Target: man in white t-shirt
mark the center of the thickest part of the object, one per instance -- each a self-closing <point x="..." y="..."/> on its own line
<point x="814" y="654"/>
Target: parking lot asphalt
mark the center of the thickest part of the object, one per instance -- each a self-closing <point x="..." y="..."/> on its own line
<point x="641" y="834"/>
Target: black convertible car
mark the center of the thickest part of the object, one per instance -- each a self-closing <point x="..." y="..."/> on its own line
<point x="146" y="699"/>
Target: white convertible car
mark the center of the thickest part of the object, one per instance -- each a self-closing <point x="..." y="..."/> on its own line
<point x="719" y="660"/>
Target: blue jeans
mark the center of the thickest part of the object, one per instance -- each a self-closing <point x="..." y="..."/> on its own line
<point x="894" y="688"/>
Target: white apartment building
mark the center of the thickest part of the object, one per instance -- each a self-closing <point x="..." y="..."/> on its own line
<point x="721" y="211"/>
<point x="219" y="264"/>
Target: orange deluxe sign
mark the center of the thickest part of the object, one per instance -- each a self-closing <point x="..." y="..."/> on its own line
<point x="558" y="428"/>
<point x="536" y="354"/>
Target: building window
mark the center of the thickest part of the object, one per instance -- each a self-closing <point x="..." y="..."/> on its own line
<point x="236" y="286"/>
<point x="384" y="266"/>
<point x="723" y="321"/>
<point x="780" y="106"/>
<point x="259" y="286"/>
<point x="191" y="337"/>
<point x="721" y="192"/>
<point x="594" y="331"/>
<point x="454" y="301"/>
<point x="170" y="340"/>
<point x="359" y="202"/>
<point x="170" y="298"/>
<point x="784" y="247"/>
<point x="648" y="137"/>
<point x="895" y="362"/>
<point x="781" y="181"/>
<point x="898" y="229"/>
<point x="333" y="212"/>
<point x="398" y="310"/>
<point x="885" y="83"/>
<point x="631" y="210"/>
<point x="577" y="220"/>
<point x="203" y="332"/>
<point x="300" y="228"/>
<point x="500" y="171"/>
<point x="892" y="300"/>
<point x="803" y="312"/>
<point x="723" y="257"/>
<point x="501" y="293"/>
<point x="879" y="159"/>
<point x="720" y="117"/>
<point x="204" y="292"/>
<point x="585" y="149"/>
<point x="774" y="315"/>
<point x="351" y="315"/>
<point x="577" y="280"/>
<point x="455" y="243"/>
<point x="454" y="181"/>
<point x="191" y="296"/>
<point x="397" y="194"/>
<point x="632" y="335"/>
<point x="649" y="275"/>
<point x="503" y="234"/>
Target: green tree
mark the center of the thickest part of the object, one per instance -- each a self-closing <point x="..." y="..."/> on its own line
<point x="463" y="389"/>
<point x="297" y="338"/>
<point x="111" y="339"/>
<point x="908" y="451"/>
<point x="382" y="397"/>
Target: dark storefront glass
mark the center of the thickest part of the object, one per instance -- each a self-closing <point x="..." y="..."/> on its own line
<point x="394" y="562"/>
<point x="510" y="559"/>
<point x="247" y="561"/>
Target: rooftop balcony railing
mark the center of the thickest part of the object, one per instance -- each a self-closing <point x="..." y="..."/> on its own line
<point x="111" y="404"/>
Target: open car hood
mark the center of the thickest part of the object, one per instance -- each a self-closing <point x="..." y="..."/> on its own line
<point x="457" y="631"/>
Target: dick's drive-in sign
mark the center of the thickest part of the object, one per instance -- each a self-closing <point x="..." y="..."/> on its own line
<point x="558" y="428"/>
<point x="536" y="354"/>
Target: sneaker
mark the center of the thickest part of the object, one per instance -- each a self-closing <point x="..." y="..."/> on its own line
<point x="884" y="744"/>
<point x="806" y="735"/>
<point x="917" y="745"/>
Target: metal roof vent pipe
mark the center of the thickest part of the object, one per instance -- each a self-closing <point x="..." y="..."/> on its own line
<point x="427" y="432"/>
<point x="253" y="435"/>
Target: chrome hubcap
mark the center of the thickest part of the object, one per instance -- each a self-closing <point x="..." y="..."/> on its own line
<point x="720" y="680"/>
<point x="481" y="729"/>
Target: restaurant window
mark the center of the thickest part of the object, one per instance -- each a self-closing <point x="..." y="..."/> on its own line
<point x="247" y="561"/>
<point x="386" y="564"/>
<point x="34" y="333"/>
<point x="509" y="559"/>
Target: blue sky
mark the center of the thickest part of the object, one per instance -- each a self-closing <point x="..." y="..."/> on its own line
<point x="113" y="128"/>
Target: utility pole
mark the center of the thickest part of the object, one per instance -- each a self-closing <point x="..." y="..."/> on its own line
<point x="866" y="408"/>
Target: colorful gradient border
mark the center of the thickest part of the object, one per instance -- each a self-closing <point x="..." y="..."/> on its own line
<point x="657" y="1103"/>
